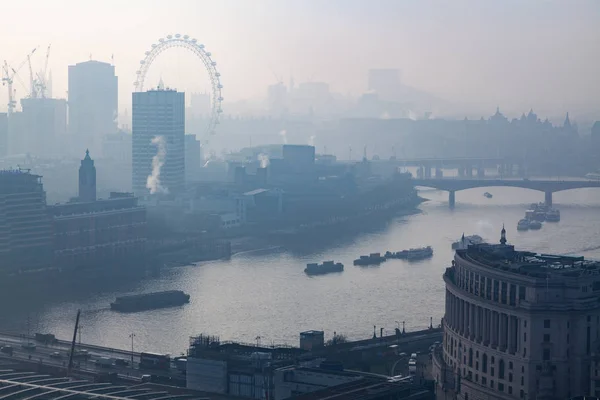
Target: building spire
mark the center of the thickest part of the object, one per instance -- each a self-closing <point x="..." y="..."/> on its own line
<point x="567" y="121"/>
<point x="503" y="235"/>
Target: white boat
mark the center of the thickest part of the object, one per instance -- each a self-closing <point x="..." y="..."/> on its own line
<point x="465" y="241"/>
<point x="553" y="215"/>
<point x="535" y="225"/>
<point x="523" y="224"/>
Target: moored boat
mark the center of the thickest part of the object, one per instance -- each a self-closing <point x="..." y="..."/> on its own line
<point x="535" y="225"/>
<point x="325" y="268"/>
<point x="553" y="215"/>
<point x="523" y="224"/>
<point x="149" y="301"/>
<point x="371" y="259"/>
<point x="488" y="195"/>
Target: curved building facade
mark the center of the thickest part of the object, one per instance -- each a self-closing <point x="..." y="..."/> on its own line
<point x="518" y="325"/>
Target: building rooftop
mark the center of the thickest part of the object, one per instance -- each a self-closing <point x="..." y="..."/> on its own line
<point x="365" y="389"/>
<point x="506" y="258"/>
<point x="16" y="385"/>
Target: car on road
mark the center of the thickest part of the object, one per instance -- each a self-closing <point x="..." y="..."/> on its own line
<point x="7" y="350"/>
<point x="56" y="354"/>
<point x="29" y="346"/>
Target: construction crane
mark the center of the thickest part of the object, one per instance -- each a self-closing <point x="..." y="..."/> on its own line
<point x="32" y="86"/>
<point x="8" y="74"/>
<point x="42" y="78"/>
<point x="72" y="352"/>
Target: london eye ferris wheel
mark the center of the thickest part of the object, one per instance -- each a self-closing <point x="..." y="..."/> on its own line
<point x="198" y="49"/>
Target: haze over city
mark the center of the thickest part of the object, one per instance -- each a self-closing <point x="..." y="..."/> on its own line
<point x="469" y="53"/>
<point x="300" y="199"/>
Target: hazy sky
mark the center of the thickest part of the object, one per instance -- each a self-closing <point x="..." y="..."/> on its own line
<point x="515" y="53"/>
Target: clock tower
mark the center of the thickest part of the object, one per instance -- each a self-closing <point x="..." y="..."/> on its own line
<point x="87" y="179"/>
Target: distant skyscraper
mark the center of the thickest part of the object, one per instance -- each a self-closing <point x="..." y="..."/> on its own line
<point x="277" y="98"/>
<point x="193" y="158"/>
<point x="93" y="102"/>
<point x="44" y="123"/>
<point x="3" y="134"/>
<point x="87" y="179"/>
<point x="158" y="130"/>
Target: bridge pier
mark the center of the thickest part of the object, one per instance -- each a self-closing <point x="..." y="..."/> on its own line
<point x="480" y="172"/>
<point x="428" y="171"/>
<point x="420" y="172"/>
<point x="548" y="199"/>
<point x="439" y="173"/>
<point x="469" y="171"/>
<point x="451" y="198"/>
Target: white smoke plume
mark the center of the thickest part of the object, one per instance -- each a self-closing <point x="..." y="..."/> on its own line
<point x="283" y="135"/>
<point x="264" y="160"/>
<point x="153" y="181"/>
<point x="311" y="140"/>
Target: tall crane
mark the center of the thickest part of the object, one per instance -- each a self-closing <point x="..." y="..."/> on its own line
<point x="42" y="78"/>
<point x="8" y="74"/>
<point x="32" y="85"/>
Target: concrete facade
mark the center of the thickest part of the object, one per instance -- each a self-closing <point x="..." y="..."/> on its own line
<point x="518" y="325"/>
<point x="158" y="114"/>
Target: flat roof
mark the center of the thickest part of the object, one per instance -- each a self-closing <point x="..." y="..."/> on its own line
<point x="13" y="387"/>
<point x="540" y="265"/>
<point x="362" y="389"/>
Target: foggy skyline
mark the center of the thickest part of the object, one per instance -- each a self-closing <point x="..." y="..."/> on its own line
<point x="475" y="55"/>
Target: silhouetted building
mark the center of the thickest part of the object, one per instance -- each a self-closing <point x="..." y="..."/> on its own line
<point x="87" y="179"/>
<point x="299" y="158"/>
<point x="518" y="324"/>
<point x="117" y="146"/>
<point x="277" y="99"/>
<point x="93" y="232"/>
<point x="384" y="82"/>
<point x="310" y="340"/>
<point x="159" y="116"/>
<point x="3" y="134"/>
<point x="193" y="158"/>
<point x="93" y="103"/>
<point x="44" y="125"/>
<point x="25" y="229"/>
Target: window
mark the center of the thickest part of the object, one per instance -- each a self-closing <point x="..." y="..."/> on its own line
<point x="466" y="396"/>
<point x="510" y="390"/>
<point x="501" y="370"/>
<point x="521" y="394"/>
<point x="483" y="380"/>
<point x="546" y="356"/>
<point x="492" y="371"/>
<point x="589" y="318"/>
<point x="477" y="378"/>
<point x="477" y="365"/>
<point x="525" y="323"/>
<point x="484" y="363"/>
<point x="522" y="380"/>
<point x="492" y="383"/>
<point x="470" y="357"/>
<point x="546" y="323"/>
<point x="501" y="387"/>
<point x="493" y="359"/>
<point x="546" y="337"/>
<point x="525" y="336"/>
<point x="567" y="338"/>
<point x="510" y="365"/>
<point x="523" y="369"/>
<point x="524" y="351"/>
<point x="510" y="376"/>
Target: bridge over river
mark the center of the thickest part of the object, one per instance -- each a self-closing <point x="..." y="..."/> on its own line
<point x="452" y="185"/>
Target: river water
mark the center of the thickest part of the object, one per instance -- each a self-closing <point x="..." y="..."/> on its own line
<point x="267" y="294"/>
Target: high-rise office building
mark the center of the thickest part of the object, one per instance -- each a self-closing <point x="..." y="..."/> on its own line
<point x="519" y="325"/>
<point x="158" y="141"/>
<point x="44" y="125"/>
<point x="93" y="103"/>
<point x="25" y="227"/>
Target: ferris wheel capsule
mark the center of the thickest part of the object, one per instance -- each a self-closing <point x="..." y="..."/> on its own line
<point x="161" y="40"/>
<point x="177" y="36"/>
<point x="146" y="53"/>
<point x="169" y="37"/>
<point x="154" y="45"/>
<point x="194" y="40"/>
<point x="186" y="37"/>
<point x="201" y="46"/>
<point x="208" y="53"/>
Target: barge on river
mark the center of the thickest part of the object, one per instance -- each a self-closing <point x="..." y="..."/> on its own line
<point x="149" y="301"/>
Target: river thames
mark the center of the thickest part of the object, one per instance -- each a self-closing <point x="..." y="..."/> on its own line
<point x="267" y="295"/>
